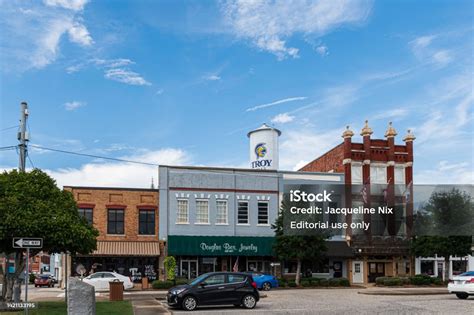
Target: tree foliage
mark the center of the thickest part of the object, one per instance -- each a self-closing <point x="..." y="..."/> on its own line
<point x="444" y="226"/>
<point x="31" y="205"/>
<point x="170" y="267"/>
<point x="297" y="247"/>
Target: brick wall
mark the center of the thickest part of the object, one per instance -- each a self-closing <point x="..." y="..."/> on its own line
<point x="100" y="199"/>
<point x="330" y="161"/>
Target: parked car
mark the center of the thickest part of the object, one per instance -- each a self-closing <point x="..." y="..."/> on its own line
<point x="100" y="280"/>
<point x="44" y="281"/>
<point x="264" y="282"/>
<point x="215" y="288"/>
<point x="462" y="285"/>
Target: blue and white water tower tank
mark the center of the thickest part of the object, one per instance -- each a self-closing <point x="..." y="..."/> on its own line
<point x="264" y="147"/>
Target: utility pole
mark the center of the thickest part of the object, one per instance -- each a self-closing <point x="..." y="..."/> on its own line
<point x="23" y="136"/>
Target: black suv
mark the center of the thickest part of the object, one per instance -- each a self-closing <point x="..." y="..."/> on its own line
<point x="215" y="288"/>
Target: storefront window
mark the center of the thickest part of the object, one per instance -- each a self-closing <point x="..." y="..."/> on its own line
<point x="115" y="221"/>
<point x="183" y="216"/>
<point x="146" y="225"/>
<point x="427" y="267"/>
<point x="202" y="211"/>
<point x="262" y="212"/>
<point x="243" y="212"/>
<point x="459" y="266"/>
<point x="221" y="212"/>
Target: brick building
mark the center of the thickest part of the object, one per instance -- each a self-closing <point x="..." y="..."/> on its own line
<point x="127" y="220"/>
<point x="376" y="172"/>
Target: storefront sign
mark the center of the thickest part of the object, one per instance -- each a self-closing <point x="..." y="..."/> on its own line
<point x="220" y="245"/>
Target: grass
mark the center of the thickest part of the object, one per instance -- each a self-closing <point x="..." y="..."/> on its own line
<point x="60" y="308"/>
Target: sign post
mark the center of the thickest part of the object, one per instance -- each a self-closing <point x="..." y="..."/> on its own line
<point x="27" y="242"/>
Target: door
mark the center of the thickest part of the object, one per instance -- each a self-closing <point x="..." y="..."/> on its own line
<point x="106" y="278"/>
<point x="189" y="269"/>
<point x="376" y="269"/>
<point x="212" y="290"/>
<point x="357" y="271"/>
<point x="235" y="288"/>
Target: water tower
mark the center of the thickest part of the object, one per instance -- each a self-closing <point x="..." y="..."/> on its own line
<point x="264" y="147"/>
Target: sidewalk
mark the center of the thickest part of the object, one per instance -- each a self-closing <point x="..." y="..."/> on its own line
<point x="147" y="304"/>
<point x="404" y="291"/>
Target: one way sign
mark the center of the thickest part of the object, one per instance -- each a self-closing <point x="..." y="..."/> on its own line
<point x="27" y="242"/>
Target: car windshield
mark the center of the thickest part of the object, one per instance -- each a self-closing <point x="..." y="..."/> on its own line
<point x="198" y="279"/>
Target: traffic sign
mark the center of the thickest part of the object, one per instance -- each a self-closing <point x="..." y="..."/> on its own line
<point x="27" y="242"/>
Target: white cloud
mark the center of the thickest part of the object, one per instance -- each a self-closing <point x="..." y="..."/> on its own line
<point x="118" y="174"/>
<point x="426" y="49"/>
<point x="112" y="63"/>
<point x="32" y="36"/>
<point x="285" y="100"/>
<point x="446" y="173"/>
<point x="390" y="114"/>
<point x="269" y="24"/>
<point x="75" y="5"/>
<point x="125" y="76"/>
<point x="322" y="50"/>
<point x="79" y="34"/>
<point x="309" y="143"/>
<point x="282" y="118"/>
<point x="73" y="105"/>
<point x="211" y="77"/>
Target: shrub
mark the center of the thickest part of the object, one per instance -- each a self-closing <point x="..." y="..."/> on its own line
<point x="180" y="281"/>
<point x="344" y="282"/>
<point x="32" y="277"/>
<point x="420" y="280"/>
<point x="315" y="281"/>
<point x="323" y="283"/>
<point x="305" y="283"/>
<point x="158" y="284"/>
<point x="380" y="280"/>
<point x="437" y="281"/>
<point x="405" y="280"/>
<point x="333" y="282"/>
<point x="392" y="282"/>
<point x="292" y="283"/>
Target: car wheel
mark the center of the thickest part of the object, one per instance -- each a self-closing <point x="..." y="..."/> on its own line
<point x="249" y="301"/>
<point x="462" y="295"/>
<point x="189" y="303"/>
<point x="266" y="286"/>
<point x="36" y="285"/>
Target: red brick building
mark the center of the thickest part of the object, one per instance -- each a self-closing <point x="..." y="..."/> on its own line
<point x="127" y="220"/>
<point x="377" y="171"/>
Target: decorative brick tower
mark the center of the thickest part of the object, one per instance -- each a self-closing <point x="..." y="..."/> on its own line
<point x="381" y="167"/>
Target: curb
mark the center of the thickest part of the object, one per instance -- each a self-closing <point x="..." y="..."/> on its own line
<point x="367" y="292"/>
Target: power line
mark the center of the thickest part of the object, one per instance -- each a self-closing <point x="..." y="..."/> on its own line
<point x="8" y="128"/>
<point x="93" y="156"/>
<point x="11" y="147"/>
<point x="31" y="162"/>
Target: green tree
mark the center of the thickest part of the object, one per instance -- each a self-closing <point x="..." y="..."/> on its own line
<point x="444" y="226"/>
<point x="170" y="267"/>
<point x="31" y="205"/>
<point x="297" y="247"/>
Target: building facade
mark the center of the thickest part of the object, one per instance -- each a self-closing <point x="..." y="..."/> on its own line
<point x="376" y="171"/>
<point x="127" y="221"/>
<point x="218" y="219"/>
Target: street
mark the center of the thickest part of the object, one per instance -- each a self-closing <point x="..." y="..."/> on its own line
<point x="346" y="301"/>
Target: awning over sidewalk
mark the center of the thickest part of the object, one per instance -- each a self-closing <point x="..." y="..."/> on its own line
<point x="220" y="245"/>
<point x="339" y="249"/>
<point x="120" y="248"/>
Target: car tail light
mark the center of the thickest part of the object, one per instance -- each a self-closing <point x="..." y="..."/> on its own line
<point x="254" y="284"/>
<point x="470" y="280"/>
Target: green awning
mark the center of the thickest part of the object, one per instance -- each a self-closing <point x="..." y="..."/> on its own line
<point x="220" y="245"/>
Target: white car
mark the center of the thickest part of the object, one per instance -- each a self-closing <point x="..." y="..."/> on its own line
<point x="100" y="280"/>
<point x="462" y="285"/>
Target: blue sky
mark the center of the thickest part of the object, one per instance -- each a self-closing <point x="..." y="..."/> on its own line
<point x="182" y="82"/>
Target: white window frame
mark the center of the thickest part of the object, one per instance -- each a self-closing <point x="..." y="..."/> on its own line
<point x="178" y="211"/>
<point x="248" y="212"/>
<point x="197" y="218"/>
<point x="226" y="212"/>
<point x="268" y="213"/>
<point x="358" y="166"/>
<point x="374" y="179"/>
<point x="397" y="178"/>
